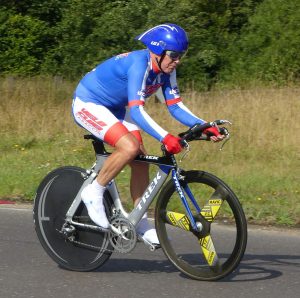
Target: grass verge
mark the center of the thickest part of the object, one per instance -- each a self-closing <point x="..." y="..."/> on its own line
<point x="260" y="163"/>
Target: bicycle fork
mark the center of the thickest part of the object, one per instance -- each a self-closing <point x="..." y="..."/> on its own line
<point x="181" y="219"/>
<point x="200" y="227"/>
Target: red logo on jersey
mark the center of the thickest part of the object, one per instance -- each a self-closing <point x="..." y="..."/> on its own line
<point x="150" y="89"/>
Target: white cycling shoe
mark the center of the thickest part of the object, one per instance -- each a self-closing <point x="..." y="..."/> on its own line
<point x="150" y="236"/>
<point x="147" y="233"/>
<point x="95" y="207"/>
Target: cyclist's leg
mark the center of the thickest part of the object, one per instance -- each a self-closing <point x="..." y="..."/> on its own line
<point x="139" y="171"/>
<point x="126" y="149"/>
<point x="102" y="123"/>
<point x="139" y="181"/>
<point x="139" y="176"/>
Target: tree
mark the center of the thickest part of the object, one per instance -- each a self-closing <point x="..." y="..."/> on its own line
<point x="27" y="34"/>
<point x="91" y="31"/>
<point x="48" y="11"/>
<point x="211" y="25"/>
<point x="23" y="40"/>
<point x="268" y="48"/>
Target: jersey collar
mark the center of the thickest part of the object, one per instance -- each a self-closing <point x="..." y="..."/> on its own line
<point x="154" y="67"/>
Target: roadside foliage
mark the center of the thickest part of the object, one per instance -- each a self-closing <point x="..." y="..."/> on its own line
<point x="231" y="41"/>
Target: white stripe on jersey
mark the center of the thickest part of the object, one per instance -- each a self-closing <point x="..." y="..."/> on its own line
<point x="158" y="129"/>
<point x="183" y="107"/>
<point x="173" y="83"/>
<point x="142" y="98"/>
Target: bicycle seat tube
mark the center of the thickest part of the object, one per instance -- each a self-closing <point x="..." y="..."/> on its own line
<point x="148" y="196"/>
<point x="91" y="174"/>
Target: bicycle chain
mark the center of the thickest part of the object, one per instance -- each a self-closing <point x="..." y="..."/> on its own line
<point x="123" y="242"/>
<point x="90" y="246"/>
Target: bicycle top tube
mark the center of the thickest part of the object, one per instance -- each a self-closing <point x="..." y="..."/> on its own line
<point x="158" y="160"/>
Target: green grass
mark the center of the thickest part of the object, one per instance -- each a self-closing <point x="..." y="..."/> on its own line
<point x="24" y="163"/>
<point x="260" y="163"/>
<point x="269" y="194"/>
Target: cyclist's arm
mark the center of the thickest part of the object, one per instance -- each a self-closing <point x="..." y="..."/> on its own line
<point x="146" y="123"/>
<point x="175" y="105"/>
<point x="136" y="101"/>
<point x="182" y="114"/>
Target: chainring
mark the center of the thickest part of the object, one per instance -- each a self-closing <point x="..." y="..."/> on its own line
<point x="126" y="238"/>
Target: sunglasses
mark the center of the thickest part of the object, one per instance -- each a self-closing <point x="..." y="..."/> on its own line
<point x="175" y="55"/>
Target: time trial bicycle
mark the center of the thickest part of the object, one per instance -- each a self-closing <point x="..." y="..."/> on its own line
<point x="199" y="220"/>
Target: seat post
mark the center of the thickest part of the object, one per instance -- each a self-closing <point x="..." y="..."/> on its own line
<point x="97" y="144"/>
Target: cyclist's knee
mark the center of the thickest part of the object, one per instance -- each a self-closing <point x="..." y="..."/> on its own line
<point x="129" y="145"/>
<point x="133" y="149"/>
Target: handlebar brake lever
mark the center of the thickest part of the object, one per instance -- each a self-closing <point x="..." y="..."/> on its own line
<point x="186" y="146"/>
<point x="221" y="122"/>
<point x="227" y="137"/>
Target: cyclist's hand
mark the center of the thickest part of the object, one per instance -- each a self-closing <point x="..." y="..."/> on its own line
<point x="214" y="134"/>
<point x="172" y="144"/>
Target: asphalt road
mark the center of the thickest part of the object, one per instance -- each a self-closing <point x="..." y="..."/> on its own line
<point x="270" y="268"/>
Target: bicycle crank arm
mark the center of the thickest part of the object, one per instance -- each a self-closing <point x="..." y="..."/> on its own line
<point x="117" y="232"/>
<point x="150" y="245"/>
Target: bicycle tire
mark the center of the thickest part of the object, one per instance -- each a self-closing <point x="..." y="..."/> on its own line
<point x="54" y="197"/>
<point x="210" y="255"/>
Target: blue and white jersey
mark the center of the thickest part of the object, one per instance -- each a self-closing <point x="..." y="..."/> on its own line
<point x="128" y="80"/>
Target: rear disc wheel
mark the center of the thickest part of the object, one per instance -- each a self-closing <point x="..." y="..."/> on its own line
<point x="90" y="249"/>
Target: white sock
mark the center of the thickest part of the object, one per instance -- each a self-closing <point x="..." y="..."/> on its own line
<point x="97" y="188"/>
<point x="143" y="225"/>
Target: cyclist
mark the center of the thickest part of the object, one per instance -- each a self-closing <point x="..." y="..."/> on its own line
<point x="109" y="102"/>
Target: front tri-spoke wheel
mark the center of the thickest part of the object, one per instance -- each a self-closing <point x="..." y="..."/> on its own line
<point x="211" y="244"/>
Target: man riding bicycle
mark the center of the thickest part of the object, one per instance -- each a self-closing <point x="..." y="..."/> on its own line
<point x="109" y="103"/>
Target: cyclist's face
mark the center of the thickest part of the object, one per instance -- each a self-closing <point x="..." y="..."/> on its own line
<point x="169" y="64"/>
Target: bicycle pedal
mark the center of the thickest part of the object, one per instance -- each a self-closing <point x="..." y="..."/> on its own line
<point x="150" y="245"/>
<point x="155" y="247"/>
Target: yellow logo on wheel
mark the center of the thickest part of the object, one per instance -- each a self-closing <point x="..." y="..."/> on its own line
<point x="179" y="220"/>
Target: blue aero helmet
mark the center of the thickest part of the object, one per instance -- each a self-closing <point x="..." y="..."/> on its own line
<point x="165" y="37"/>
